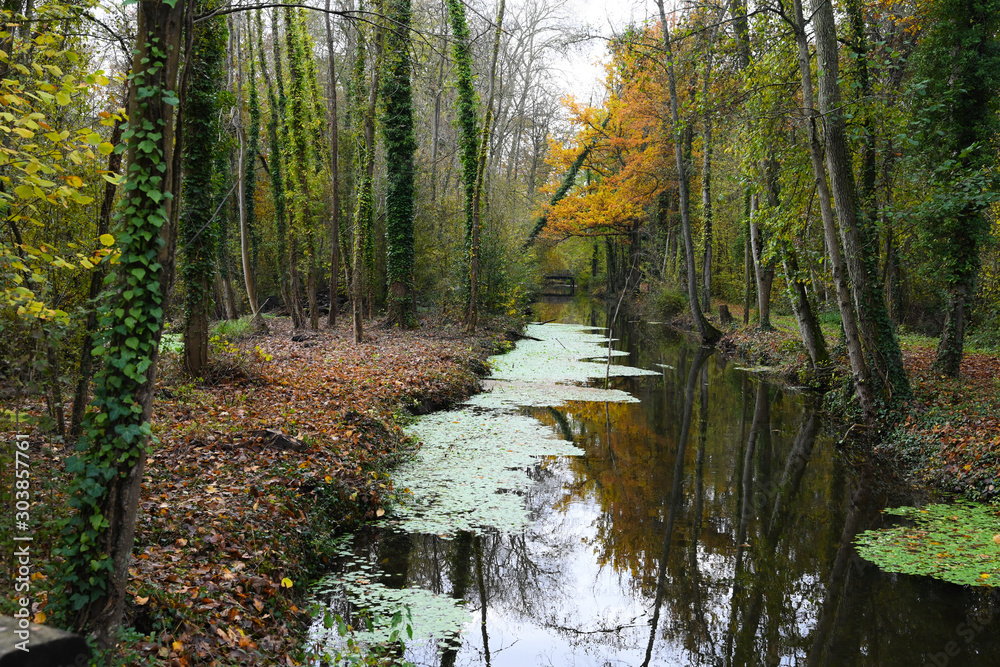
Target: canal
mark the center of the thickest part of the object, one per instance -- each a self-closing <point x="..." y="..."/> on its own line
<point x="663" y="507"/>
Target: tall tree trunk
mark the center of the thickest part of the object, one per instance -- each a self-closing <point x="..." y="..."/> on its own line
<point x="98" y="539"/>
<point x="400" y="144"/>
<point x="852" y="337"/>
<point x="334" y="181"/>
<point x="763" y="272"/>
<point x="706" y="169"/>
<point x="708" y="333"/>
<point x="365" y="207"/>
<point x="472" y="313"/>
<point x="468" y="125"/>
<point x="287" y="245"/>
<point x="200" y="233"/>
<point x="275" y="135"/>
<point x="880" y="341"/>
<point x="241" y="193"/>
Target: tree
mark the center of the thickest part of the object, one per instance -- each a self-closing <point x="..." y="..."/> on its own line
<point x="845" y="302"/>
<point x="472" y="312"/>
<point x="98" y="538"/>
<point x="468" y="121"/>
<point x="198" y="230"/>
<point x="334" y="178"/>
<point x="400" y="145"/>
<point x="956" y="109"/>
<point x="708" y="333"/>
<point x="364" y="113"/>
<point x="881" y="345"/>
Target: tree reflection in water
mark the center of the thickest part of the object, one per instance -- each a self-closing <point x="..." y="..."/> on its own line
<point x="733" y="550"/>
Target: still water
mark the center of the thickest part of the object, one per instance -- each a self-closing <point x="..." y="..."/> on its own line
<point x="708" y="522"/>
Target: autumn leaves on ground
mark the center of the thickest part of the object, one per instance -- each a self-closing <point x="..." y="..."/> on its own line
<point x="234" y="521"/>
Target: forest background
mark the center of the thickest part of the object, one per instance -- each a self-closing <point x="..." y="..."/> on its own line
<point x="413" y="160"/>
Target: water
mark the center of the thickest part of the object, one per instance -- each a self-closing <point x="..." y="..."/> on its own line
<point x="709" y="523"/>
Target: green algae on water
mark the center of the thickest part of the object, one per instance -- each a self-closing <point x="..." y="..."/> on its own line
<point x="470" y="469"/>
<point x="959" y="543"/>
<point x="432" y="617"/>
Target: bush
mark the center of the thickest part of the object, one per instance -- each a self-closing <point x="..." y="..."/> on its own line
<point x="665" y="302"/>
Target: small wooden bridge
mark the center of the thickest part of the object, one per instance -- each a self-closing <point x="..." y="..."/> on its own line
<point x="559" y="283"/>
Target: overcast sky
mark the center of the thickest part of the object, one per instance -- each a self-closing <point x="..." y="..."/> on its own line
<point x="581" y="73"/>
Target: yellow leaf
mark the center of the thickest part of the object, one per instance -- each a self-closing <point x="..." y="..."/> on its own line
<point x="74" y="181"/>
<point x="105" y="148"/>
<point x="177" y="646"/>
<point x="63" y="98"/>
<point x="139" y="600"/>
<point x="40" y="617"/>
<point x="379" y="512"/>
<point x="286" y="583"/>
<point x="107" y="239"/>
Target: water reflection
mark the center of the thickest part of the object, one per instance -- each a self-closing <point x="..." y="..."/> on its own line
<point x="709" y="524"/>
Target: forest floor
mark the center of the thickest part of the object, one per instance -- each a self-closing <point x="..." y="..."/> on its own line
<point x="946" y="438"/>
<point x="235" y="523"/>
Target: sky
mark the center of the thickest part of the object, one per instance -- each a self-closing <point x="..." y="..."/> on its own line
<point x="580" y="73"/>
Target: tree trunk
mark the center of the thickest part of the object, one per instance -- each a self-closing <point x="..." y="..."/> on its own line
<point x="852" y="338"/>
<point x="873" y="322"/>
<point x="891" y="276"/>
<point x="706" y="169"/>
<point x="203" y="248"/>
<point x="950" y="346"/>
<point x="472" y="314"/>
<point x="764" y="274"/>
<point x="241" y="193"/>
<point x="400" y="144"/>
<point x="95" y="569"/>
<point x="812" y="335"/>
<point x="275" y="135"/>
<point x="708" y="333"/>
<point x="331" y="319"/>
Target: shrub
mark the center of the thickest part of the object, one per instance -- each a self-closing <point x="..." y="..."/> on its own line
<point x="665" y="302"/>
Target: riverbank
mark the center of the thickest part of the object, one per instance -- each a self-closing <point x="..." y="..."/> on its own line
<point x="256" y="471"/>
<point x="945" y="439"/>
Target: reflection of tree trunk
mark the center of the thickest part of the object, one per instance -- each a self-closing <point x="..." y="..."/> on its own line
<point x="564" y="427"/>
<point x="461" y="566"/>
<point x="838" y="583"/>
<point x="394" y="550"/>
<point x="745" y="482"/>
<point x="701" y="631"/>
<point x="477" y="545"/>
<point x="675" y="496"/>
<point x="791" y="478"/>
